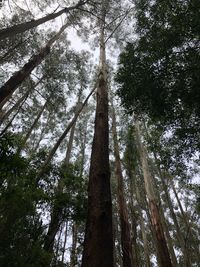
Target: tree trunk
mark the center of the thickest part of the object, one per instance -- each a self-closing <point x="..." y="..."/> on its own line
<point x="153" y="205"/>
<point x="132" y="187"/>
<point x="11" y="121"/>
<point x="68" y="128"/>
<point x="23" y="143"/>
<point x="18" y="77"/>
<point x="127" y="253"/>
<point x="73" y="256"/>
<point x="176" y="224"/>
<point x="22" y="27"/>
<point x="56" y="215"/>
<point x="65" y="242"/>
<point x="98" y="244"/>
<point x="14" y="107"/>
<point x="145" y="241"/>
<point x="168" y="238"/>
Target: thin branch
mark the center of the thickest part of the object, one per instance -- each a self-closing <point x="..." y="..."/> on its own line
<point x="117" y="26"/>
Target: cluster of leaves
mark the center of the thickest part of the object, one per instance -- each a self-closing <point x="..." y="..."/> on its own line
<point x="22" y="202"/>
<point x="159" y="73"/>
<point x="21" y="227"/>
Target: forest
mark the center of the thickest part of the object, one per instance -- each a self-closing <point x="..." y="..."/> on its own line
<point x="99" y="133"/>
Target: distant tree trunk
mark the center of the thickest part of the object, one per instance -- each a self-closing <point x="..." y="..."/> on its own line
<point x="11" y="121"/>
<point x="153" y="205"/>
<point x="56" y="215"/>
<point x="58" y="246"/>
<point x="98" y="244"/>
<point x="153" y="231"/>
<point x="22" y="27"/>
<point x="185" y="241"/>
<point x="142" y="226"/>
<point x="132" y="187"/>
<point x="5" y="115"/>
<point x="64" y="134"/>
<point x="168" y="238"/>
<point x="37" y="144"/>
<point x="180" y="237"/>
<point x="187" y="224"/>
<point x="176" y="224"/>
<point x="145" y="241"/>
<point x="2" y="104"/>
<point x="127" y="252"/>
<point x="73" y="254"/>
<point x="28" y="134"/>
<point x="65" y="242"/>
<point x="18" y="77"/>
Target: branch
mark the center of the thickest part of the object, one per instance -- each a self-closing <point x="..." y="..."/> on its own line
<point x="117" y="26"/>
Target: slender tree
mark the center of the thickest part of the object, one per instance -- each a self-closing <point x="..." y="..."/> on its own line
<point x="127" y="257"/>
<point x="22" y="27"/>
<point x="98" y="244"/>
<point x="153" y="204"/>
<point x="18" y="77"/>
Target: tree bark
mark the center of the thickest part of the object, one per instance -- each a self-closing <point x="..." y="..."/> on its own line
<point x="127" y="252"/>
<point x="22" y="27"/>
<point x="98" y="243"/>
<point x="18" y="77"/>
<point x="153" y="205"/>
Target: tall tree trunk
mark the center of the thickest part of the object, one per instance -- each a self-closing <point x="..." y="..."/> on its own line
<point x="142" y="225"/>
<point x="153" y="231"/>
<point x="145" y="241"/>
<point x="127" y="253"/>
<point x="153" y="205"/>
<point x="176" y="224"/>
<point x="168" y="238"/>
<point x="98" y="244"/>
<point x="18" y="77"/>
<point x="73" y="255"/>
<point x="22" y="27"/>
<point x="180" y="237"/>
<point x="132" y="187"/>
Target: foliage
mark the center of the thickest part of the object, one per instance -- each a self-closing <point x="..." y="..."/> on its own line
<point x="158" y="73"/>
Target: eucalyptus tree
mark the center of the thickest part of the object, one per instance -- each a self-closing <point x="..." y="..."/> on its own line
<point x="98" y="244"/>
<point x="158" y="73"/>
<point x="153" y="203"/>
<point x="128" y="258"/>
